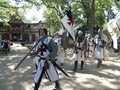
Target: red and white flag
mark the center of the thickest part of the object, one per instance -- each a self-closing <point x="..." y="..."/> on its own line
<point x="68" y="23"/>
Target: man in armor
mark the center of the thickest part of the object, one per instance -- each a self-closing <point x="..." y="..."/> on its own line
<point x="46" y="51"/>
<point x="98" y="50"/>
<point x="79" y="51"/>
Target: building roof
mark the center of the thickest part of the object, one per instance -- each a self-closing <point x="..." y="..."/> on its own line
<point x="15" y="20"/>
<point x="20" y="21"/>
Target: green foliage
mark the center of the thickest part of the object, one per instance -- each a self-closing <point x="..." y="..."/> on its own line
<point x="100" y="16"/>
<point x="56" y="10"/>
<point x="81" y="11"/>
<point x="7" y="9"/>
<point x="117" y="3"/>
<point x="52" y="22"/>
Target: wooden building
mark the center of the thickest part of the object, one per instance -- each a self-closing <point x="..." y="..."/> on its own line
<point x="19" y="30"/>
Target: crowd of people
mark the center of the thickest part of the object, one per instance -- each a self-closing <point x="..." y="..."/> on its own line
<point x="49" y="49"/>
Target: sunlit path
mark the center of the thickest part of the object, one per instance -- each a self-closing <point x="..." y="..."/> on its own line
<point x="106" y="77"/>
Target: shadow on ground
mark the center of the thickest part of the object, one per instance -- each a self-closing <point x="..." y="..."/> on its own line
<point x="106" y="77"/>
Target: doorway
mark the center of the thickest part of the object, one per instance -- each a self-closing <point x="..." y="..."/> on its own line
<point x="15" y="36"/>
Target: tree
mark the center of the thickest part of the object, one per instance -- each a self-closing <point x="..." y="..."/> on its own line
<point x="86" y="14"/>
<point x="54" y="13"/>
<point x="8" y="10"/>
<point x="117" y="4"/>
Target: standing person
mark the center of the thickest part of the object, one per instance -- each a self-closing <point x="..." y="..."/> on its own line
<point x="46" y="50"/>
<point x="90" y="46"/>
<point x="6" y="45"/>
<point x="1" y="44"/>
<point x="98" y="50"/>
<point x="60" y="53"/>
<point x="106" y="44"/>
<point x="79" y="52"/>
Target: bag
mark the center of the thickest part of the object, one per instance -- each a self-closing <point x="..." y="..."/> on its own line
<point x="46" y="65"/>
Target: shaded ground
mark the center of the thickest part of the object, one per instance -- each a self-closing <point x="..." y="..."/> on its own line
<point x="106" y="77"/>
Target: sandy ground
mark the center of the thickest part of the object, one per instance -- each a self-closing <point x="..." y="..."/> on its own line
<point x="106" y="77"/>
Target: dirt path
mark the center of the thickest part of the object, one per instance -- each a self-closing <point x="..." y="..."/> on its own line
<point x="106" y="77"/>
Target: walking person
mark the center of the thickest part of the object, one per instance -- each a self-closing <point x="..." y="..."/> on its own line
<point x="60" y="53"/>
<point x="79" y="52"/>
<point x="46" y="50"/>
<point x="1" y="44"/>
<point x="98" y="50"/>
<point x="106" y="43"/>
<point x="89" y="46"/>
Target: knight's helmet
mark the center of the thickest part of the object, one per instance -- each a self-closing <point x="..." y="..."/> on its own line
<point x="80" y="32"/>
<point x="89" y="35"/>
<point x="99" y="40"/>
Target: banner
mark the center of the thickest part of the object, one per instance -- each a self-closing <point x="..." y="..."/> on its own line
<point x="68" y="24"/>
<point x="113" y="29"/>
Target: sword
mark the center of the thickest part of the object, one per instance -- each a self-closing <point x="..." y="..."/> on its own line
<point x="24" y="58"/>
<point x="58" y="67"/>
<point x="26" y="55"/>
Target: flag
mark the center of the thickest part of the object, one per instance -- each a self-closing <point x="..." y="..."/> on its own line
<point x="118" y="21"/>
<point x="112" y="29"/>
<point x="68" y="23"/>
<point x="111" y="14"/>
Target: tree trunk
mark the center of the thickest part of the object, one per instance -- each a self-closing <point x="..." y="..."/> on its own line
<point x="92" y="15"/>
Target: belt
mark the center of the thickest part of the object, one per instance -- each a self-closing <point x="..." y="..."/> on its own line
<point x="40" y="57"/>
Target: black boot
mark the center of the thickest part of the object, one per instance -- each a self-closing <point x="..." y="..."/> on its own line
<point x="36" y="86"/>
<point x="82" y="64"/>
<point x="57" y="85"/>
<point x="99" y="63"/>
<point x="75" y="66"/>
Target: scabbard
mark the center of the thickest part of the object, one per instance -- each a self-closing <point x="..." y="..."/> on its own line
<point x="58" y="67"/>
